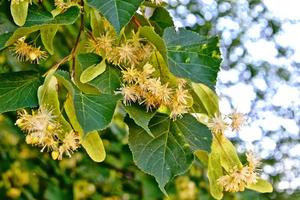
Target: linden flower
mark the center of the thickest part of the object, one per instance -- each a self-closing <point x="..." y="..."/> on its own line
<point x="71" y="143"/>
<point x="233" y="182"/>
<point x="150" y="102"/>
<point x="42" y="120"/>
<point x="26" y="52"/>
<point x="144" y="52"/>
<point x="180" y="100"/>
<point x="101" y="45"/>
<point x="237" y="120"/>
<point x="126" y="54"/>
<point x="41" y="127"/>
<point x="165" y="94"/>
<point x="177" y="110"/>
<point x="238" y="179"/>
<point x="217" y="124"/>
<point x="130" y="94"/>
<point x="130" y="75"/>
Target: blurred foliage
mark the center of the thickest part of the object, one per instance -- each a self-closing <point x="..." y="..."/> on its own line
<point x="234" y="22"/>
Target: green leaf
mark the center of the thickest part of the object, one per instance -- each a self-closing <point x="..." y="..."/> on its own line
<point x="94" y="112"/>
<point x="19" y="12"/>
<point x="161" y="19"/>
<point x="192" y="56"/>
<point x="92" y="72"/>
<point x="47" y="35"/>
<point x="140" y="116"/>
<point x="94" y="147"/>
<point x="206" y="98"/>
<point x="117" y="12"/>
<point x="261" y="186"/>
<point x="36" y="20"/>
<point x="18" y="90"/>
<point x="6" y="28"/>
<point x="169" y="153"/>
<point x="109" y="81"/>
<point x="214" y="170"/>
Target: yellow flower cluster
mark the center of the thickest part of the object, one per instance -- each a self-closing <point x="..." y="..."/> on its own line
<point x="27" y="52"/>
<point x="218" y="123"/>
<point x="43" y="130"/>
<point x="127" y="54"/>
<point x="238" y="179"/>
<point x="143" y="88"/>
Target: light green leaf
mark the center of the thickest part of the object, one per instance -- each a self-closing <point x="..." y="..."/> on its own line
<point x="109" y="81"/>
<point x="214" y="170"/>
<point x="117" y="12"/>
<point x="192" y="56"/>
<point x="140" y="116"/>
<point x="19" y="11"/>
<point x="94" y="112"/>
<point x="94" y="147"/>
<point x="18" y="90"/>
<point x="261" y="186"/>
<point x="169" y="152"/>
<point x="229" y="156"/>
<point x="206" y="98"/>
<point x="48" y="98"/>
<point x="96" y="23"/>
<point x="92" y="72"/>
<point x="202" y="156"/>
<point x="47" y="35"/>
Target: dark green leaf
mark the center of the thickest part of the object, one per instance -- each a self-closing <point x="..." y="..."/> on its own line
<point x="117" y="12"/>
<point x="94" y="112"/>
<point x="18" y="90"/>
<point x="192" y="56"/>
<point x="161" y="19"/>
<point x="109" y="81"/>
<point x="140" y="116"/>
<point x="197" y="135"/>
<point x="169" y="153"/>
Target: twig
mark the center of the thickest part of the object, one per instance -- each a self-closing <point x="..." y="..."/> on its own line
<point x="74" y="50"/>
